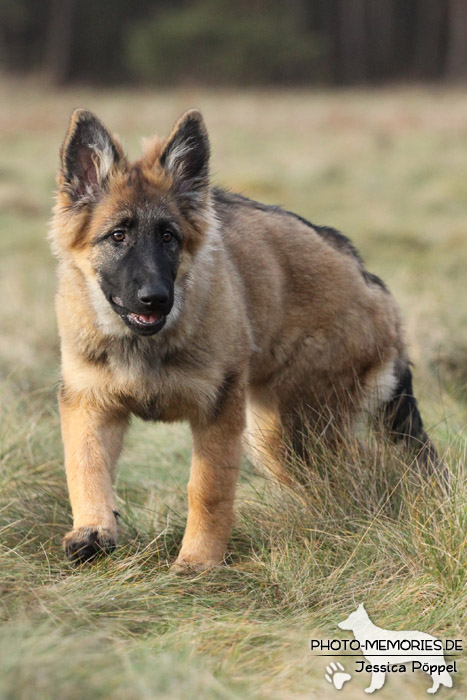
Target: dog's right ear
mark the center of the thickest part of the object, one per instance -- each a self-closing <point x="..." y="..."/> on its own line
<point x="87" y="157"/>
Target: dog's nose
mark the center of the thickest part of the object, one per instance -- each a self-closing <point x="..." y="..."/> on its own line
<point x="153" y="296"/>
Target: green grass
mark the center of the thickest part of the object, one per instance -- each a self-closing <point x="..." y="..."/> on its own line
<point x="389" y="170"/>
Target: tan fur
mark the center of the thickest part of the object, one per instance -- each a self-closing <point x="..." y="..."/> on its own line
<point x="267" y="312"/>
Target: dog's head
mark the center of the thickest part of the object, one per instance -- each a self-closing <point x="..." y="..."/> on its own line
<point x="358" y="616"/>
<point x="129" y="226"/>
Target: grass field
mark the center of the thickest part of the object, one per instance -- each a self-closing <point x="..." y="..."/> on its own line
<point x="387" y="168"/>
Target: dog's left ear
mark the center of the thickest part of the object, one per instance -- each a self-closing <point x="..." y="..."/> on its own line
<point x="186" y="154"/>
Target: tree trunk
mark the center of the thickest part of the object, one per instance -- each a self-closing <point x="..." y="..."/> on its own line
<point x="456" y="59"/>
<point x="353" y="59"/>
<point x="431" y="23"/>
<point x="59" y="41"/>
<point x="381" y="39"/>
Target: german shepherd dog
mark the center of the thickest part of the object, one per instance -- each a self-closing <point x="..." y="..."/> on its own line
<point x="180" y="301"/>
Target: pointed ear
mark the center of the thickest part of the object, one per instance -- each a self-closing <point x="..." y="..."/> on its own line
<point x="87" y="156"/>
<point x="185" y="156"/>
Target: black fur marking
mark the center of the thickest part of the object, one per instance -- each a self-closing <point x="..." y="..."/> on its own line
<point x="63" y="393"/>
<point x="148" y="410"/>
<point x="337" y="240"/>
<point x="404" y="422"/>
<point x="87" y="544"/>
<point x="96" y="356"/>
<point x="370" y="278"/>
<point x="334" y="238"/>
<point x="225" y="197"/>
<point x="140" y="270"/>
<point x="223" y="394"/>
<point x="401" y="412"/>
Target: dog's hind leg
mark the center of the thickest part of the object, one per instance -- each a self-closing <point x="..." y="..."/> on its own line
<point x="284" y="438"/>
<point x="265" y="441"/>
<point x="278" y="440"/>
<point x="402" y="419"/>
<point x="438" y="679"/>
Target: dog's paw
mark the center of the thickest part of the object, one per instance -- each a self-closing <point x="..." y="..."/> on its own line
<point x="87" y="543"/>
<point x="337" y="675"/>
<point x="184" y="565"/>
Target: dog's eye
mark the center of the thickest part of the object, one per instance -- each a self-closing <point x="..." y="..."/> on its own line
<point x="167" y="236"/>
<point x="118" y="236"/>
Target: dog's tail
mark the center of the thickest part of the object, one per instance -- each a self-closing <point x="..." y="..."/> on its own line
<point x="403" y="421"/>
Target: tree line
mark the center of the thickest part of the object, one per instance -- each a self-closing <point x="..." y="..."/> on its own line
<point x="248" y="42"/>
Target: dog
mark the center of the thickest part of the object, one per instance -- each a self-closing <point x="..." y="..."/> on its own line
<point x="181" y="301"/>
<point x="365" y="632"/>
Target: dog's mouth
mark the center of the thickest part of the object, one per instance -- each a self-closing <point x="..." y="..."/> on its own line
<point x="144" y="324"/>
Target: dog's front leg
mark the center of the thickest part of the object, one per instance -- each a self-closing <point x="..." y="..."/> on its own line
<point x="92" y="440"/>
<point x="215" y="465"/>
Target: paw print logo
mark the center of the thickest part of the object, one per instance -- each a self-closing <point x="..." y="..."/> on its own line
<point x="337" y="675"/>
